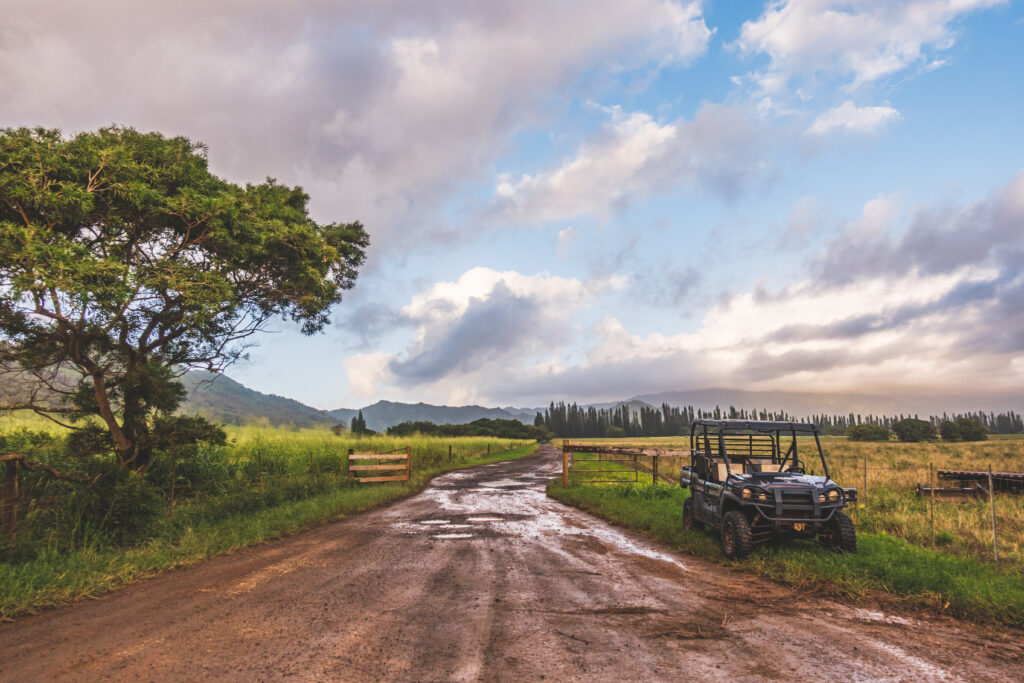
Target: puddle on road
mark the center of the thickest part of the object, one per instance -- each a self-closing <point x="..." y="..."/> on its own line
<point x="517" y="508"/>
<point x="452" y="536"/>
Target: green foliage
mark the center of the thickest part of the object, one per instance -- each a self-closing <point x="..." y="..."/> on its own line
<point x="120" y="505"/>
<point x="502" y="429"/>
<point x="124" y="260"/>
<point x="614" y="432"/>
<point x="868" y="432"/>
<point x="912" y="430"/>
<point x="359" y="425"/>
<point x="962" y="429"/>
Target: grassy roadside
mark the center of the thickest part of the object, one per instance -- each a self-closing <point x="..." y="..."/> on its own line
<point x="54" y="579"/>
<point x="884" y="567"/>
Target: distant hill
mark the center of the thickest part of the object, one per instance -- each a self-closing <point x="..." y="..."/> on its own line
<point x="222" y="399"/>
<point x="384" y="414"/>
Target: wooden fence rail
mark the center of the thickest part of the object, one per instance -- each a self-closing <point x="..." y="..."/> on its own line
<point x="399" y="463"/>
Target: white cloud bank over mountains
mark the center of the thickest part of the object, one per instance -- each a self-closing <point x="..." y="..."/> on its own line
<point x="935" y="303"/>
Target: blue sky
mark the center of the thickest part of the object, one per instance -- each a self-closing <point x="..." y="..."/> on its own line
<point x="593" y="200"/>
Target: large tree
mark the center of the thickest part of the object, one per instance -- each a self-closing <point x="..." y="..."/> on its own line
<point x="124" y="262"/>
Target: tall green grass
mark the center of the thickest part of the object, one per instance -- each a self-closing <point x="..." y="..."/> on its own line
<point x="882" y="566"/>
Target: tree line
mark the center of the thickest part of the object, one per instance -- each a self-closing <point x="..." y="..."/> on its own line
<point x="574" y="421"/>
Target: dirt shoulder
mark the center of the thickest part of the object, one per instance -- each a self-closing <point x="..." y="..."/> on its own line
<point x="481" y="576"/>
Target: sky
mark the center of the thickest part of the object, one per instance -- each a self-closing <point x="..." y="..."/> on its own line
<point x="590" y="200"/>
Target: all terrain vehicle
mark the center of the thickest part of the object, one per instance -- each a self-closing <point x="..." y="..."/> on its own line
<point x="745" y="480"/>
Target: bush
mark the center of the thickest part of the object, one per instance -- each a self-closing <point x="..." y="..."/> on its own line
<point x="912" y="430"/>
<point x="122" y="504"/>
<point x="963" y="429"/>
<point x="614" y="432"/>
<point x="868" y="432"/>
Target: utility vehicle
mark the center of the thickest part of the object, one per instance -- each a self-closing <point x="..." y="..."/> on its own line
<point x="747" y="479"/>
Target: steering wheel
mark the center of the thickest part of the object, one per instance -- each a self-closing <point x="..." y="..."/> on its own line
<point x="797" y="467"/>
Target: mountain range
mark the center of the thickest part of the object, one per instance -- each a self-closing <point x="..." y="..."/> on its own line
<point x="223" y="399"/>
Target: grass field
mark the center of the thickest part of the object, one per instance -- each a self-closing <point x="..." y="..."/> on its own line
<point x="894" y="558"/>
<point x="890" y="505"/>
<point x="75" y="542"/>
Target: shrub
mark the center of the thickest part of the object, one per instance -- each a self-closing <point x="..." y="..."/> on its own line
<point x="868" y="432"/>
<point x="963" y="429"/>
<point x="912" y="429"/>
<point x="121" y="503"/>
<point x="614" y="432"/>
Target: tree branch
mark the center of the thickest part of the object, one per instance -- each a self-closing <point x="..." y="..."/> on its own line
<point x="41" y="467"/>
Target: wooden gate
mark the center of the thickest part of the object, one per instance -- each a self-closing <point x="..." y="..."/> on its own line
<point x="397" y="464"/>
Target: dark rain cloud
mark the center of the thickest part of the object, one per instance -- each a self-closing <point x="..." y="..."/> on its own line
<point x="491" y="328"/>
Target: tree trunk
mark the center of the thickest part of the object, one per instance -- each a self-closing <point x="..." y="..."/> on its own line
<point x="123" y="446"/>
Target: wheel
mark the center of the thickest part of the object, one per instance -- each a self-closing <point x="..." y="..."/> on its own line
<point x="839" y="534"/>
<point x="690" y="522"/>
<point x="737" y="540"/>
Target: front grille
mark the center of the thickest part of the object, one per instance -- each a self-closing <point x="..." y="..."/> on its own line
<point x="796" y="504"/>
<point x="798" y="499"/>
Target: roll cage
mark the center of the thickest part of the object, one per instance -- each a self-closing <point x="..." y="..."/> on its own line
<point x="748" y="446"/>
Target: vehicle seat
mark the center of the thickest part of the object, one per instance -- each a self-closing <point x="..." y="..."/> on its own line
<point x="762" y="466"/>
<point x="723" y="472"/>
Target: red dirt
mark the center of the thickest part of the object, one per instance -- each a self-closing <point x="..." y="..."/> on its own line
<point x="482" y="576"/>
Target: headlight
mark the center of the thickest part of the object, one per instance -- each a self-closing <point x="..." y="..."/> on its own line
<point x="762" y="496"/>
<point x="745" y="493"/>
<point x="821" y="497"/>
<point x="833" y="495"/>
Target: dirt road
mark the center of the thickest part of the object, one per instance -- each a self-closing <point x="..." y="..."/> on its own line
<point x="483" y="577"/>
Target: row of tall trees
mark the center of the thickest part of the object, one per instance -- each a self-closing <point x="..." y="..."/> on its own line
<point x="572" y="420"/>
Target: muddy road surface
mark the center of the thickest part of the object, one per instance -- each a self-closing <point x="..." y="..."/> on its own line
<point x="482" y="577"/>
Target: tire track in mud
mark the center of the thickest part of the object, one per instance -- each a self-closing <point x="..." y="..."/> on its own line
<point x="482" y="577"/>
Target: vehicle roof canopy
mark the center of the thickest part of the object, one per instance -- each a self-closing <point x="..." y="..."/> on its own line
<point x="757" y="426"/>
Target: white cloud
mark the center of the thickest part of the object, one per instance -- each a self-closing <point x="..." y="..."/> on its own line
<point x="849" y="118"/>
<point x="881" y="311"/>
<point x="378" y="109"/>
<point x="867" y="40"/>
<point x="486" y="319"/>
<point x="635" y="156"/>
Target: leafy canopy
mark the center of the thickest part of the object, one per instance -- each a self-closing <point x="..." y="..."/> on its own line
<point x="124" y="261"/>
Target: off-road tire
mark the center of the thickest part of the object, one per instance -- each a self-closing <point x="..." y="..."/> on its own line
<point x="690" y="522"/>
<point x="839" y="534"/>
<point x="737" y="539"/>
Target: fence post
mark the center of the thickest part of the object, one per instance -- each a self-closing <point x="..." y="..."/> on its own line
<point x="174" y="479"/>
<point x="408" y="462"/>
<point x="931" y="503"/>
<point x="654" y="469"/>
<point x="488" y="449"/>
<point x="992" y="503"/>
<point x="348" y="463"/>
<point x="565" y="464"/>
<point x="865" y="496"/>
<point x="9" y="510"/>
<point x="450" y="451"/>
